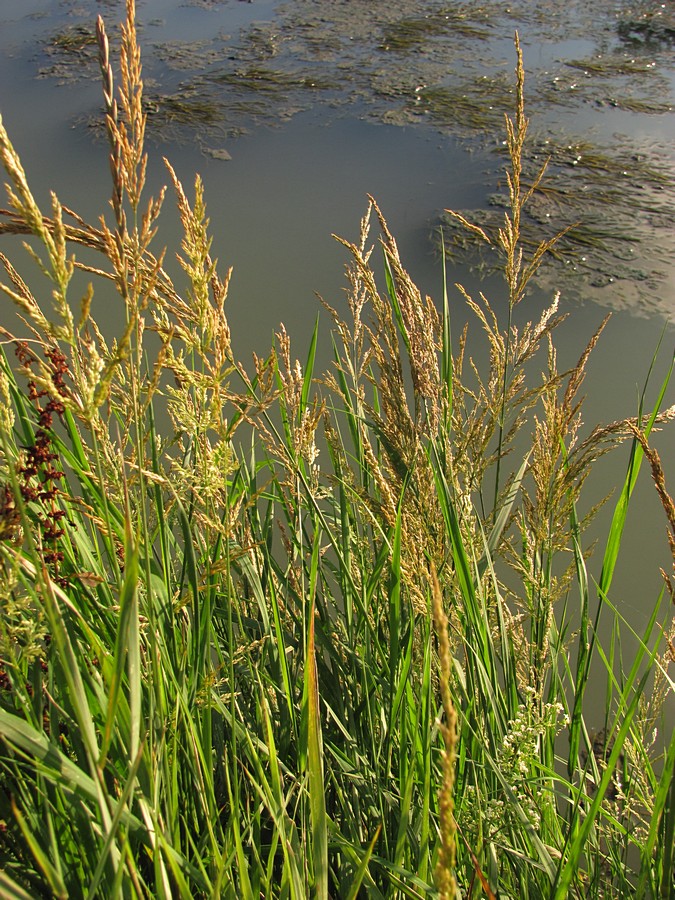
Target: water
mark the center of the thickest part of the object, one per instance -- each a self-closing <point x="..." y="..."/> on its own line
<point x="315" y="114"/>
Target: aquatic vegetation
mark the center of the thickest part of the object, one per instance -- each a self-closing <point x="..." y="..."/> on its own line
<point x="641" y="105"/>
<point x="71" y="54"/>
<point x="583" y="181"/>
<point x="268" y="634"/>
<point x="610" y="65"/>
<point x="407" y="33"/>
<point x="77" y="40"/>
<point x="647" y="23"/>
<point x="634" y="85"/>
<point x="476" y="104"/>
<point x="261" y="42"/>
<point x="184" y="108"/>
<point x="271" y="81"/>
<point x="189" y="56"/>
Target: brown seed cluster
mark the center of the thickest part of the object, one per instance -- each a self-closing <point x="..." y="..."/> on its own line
<point x="39" y="473"/>
<point x="9" y="514"/>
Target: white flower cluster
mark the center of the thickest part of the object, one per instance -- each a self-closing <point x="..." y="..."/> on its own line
<point x="519" y="756"/>
<point x="518" y="761"/>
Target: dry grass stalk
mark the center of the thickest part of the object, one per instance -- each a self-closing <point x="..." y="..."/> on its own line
<point x="445" y="868"/>
<point x="667" y="503"/>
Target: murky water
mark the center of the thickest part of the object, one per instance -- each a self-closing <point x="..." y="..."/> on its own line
<point x="293" y="111"/>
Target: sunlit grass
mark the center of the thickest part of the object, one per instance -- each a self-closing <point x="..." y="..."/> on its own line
<point x="313" y="635"/>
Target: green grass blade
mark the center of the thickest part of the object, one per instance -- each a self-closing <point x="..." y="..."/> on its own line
<point x="627" y="711"/>
<point x="50" y="871"/>
<point x="10" y="890"/>
<point x="446" y="344"/>
<point x="584" y="650"/>
<point x="309" y="372"/>
<point x="242" y="862"/>
<point x="126" y="644"/>
<point x="503" y="517"/>
<point x="272" y="795"/>
<point x="199" y="639"/>
<point x="395" y="619"/>
<point x="393" y="297"/>
<point x="118" y="816"/>
<point x="668" y="861"/>
<point x="360" y="873"/>
<point x="53" y="764"/>
<point x="317" y="798"/>
<point x="621" y="509"/>
<point x="663" y="820"/>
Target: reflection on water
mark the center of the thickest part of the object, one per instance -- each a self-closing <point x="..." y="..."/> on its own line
<point x="383" y="98"/>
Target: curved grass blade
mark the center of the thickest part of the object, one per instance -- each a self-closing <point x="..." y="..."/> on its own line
<point x="52" y="763"/>
<point x="309" y="372"/>
<point x="360" y="873"/>
<point x="48" y="869"/>
<point x="663" y="820"/>
<point x="627" y="710"/>
<point x="621" y="509"/>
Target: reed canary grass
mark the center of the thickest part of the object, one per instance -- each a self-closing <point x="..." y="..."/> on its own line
<point x="285" y="633"/>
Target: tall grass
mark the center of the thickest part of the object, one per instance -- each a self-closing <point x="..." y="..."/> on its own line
<point x="313" y="635"/>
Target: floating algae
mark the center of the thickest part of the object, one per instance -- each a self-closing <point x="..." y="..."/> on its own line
<point x="271" y="81"/>
<point x="610" y="65"/>
<point x="618" y="80"/>
<point x="77" y="39"/>
<point x="260" y="42"/>
<point x="477" y="104"/>
<point x="184" y="109"/>
<point x="410" y="33"/>
<point x="72" y="54"/>
<point x="190" y="56"/>
<point x="647" y="24"/>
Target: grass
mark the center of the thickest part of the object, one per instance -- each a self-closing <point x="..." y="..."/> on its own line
<point x="312" y="636"/>
<point x="475" y="103"/>
<point x="410" y="33"/>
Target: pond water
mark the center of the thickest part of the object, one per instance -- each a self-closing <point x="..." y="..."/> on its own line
<point x="294" y="111"/>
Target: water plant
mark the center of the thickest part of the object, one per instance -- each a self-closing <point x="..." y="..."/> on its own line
<point x="271" y="635"/>
<point x="409" y="33"/>
<point x="589" y="250"/>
